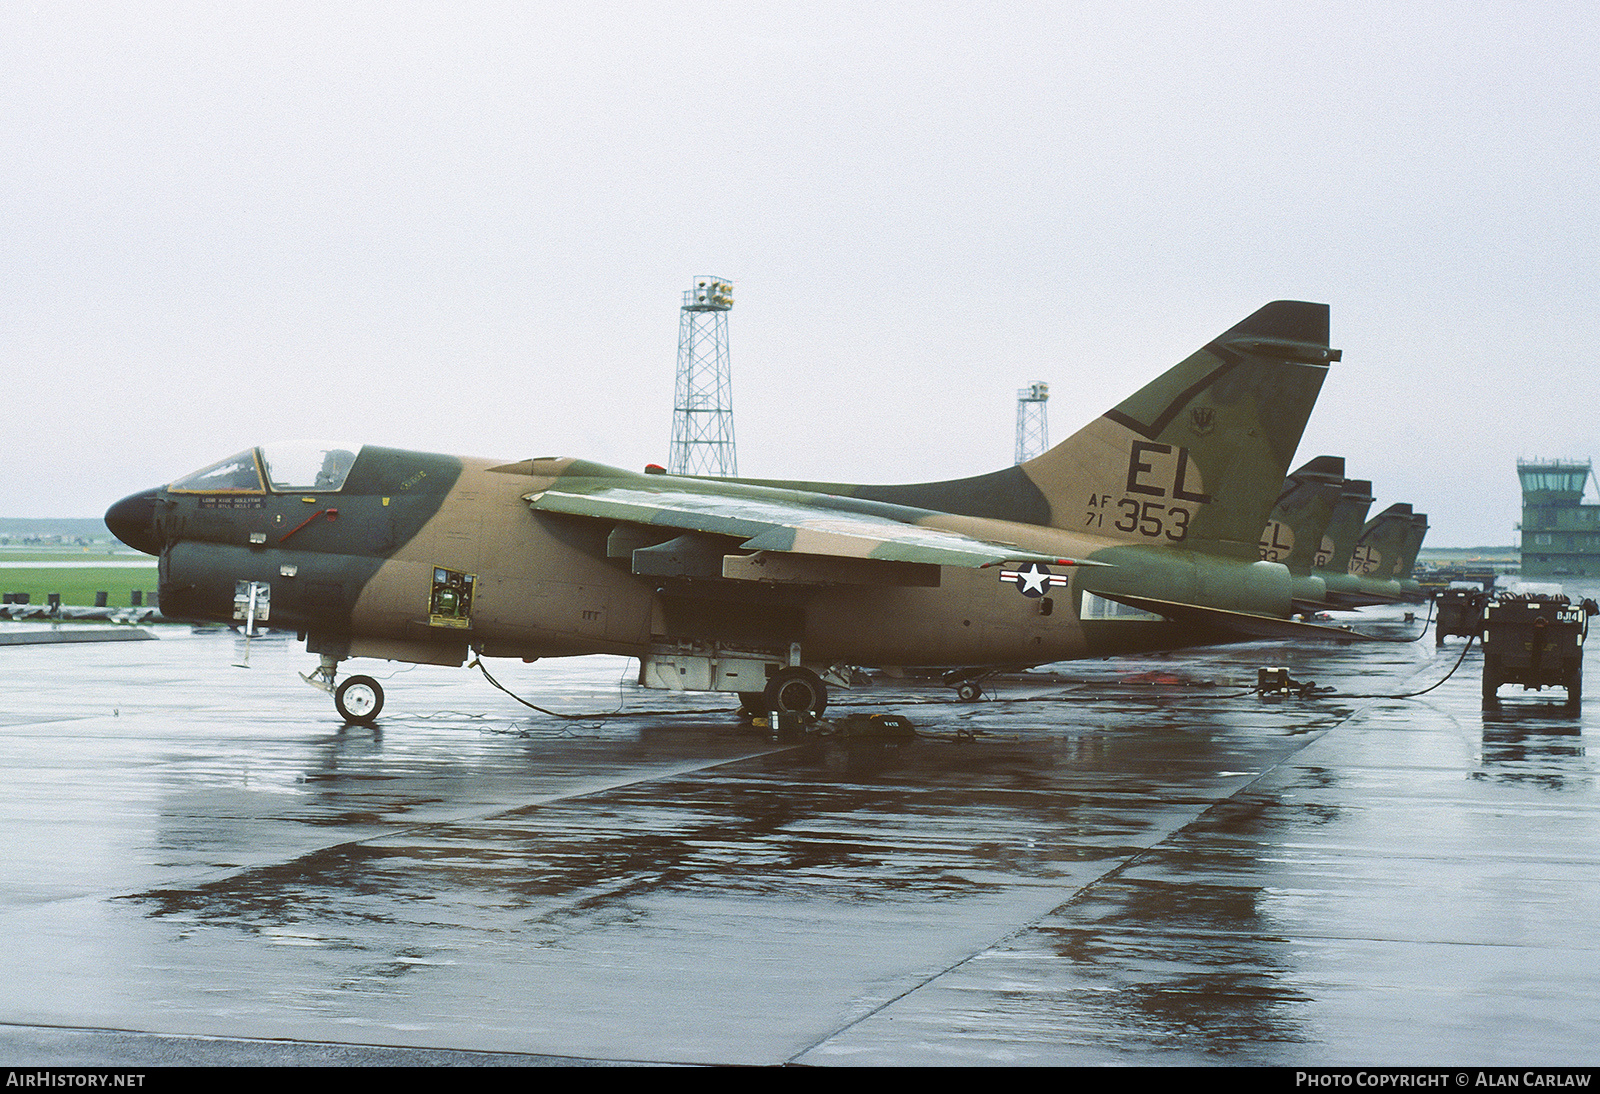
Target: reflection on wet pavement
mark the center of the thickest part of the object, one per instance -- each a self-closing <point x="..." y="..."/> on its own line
<point x="1122" y="861"/>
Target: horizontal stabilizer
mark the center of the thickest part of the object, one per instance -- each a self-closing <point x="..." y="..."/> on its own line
<point x="1241" y="625"/>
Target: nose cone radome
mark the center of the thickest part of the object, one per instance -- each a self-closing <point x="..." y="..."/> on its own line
<point x="133" y="521"/>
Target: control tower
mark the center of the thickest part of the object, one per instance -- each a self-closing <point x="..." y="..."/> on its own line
<point x="702" y="407"/>
<point x="1560" y="534"/>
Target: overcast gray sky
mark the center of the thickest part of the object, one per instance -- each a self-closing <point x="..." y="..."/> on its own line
<point x="466" y="227"/>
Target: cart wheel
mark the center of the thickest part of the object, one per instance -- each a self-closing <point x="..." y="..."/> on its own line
<point x="1491" y="681"/>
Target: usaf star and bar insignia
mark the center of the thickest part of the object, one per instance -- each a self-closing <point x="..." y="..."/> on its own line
<point x="1034" y="579"/>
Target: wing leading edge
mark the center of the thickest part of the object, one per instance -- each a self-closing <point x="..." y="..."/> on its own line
<point x="787" y="523"/>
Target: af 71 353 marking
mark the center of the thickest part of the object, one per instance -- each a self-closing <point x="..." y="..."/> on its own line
<point x="1148" y="518"/>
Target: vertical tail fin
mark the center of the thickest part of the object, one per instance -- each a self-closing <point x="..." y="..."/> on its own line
<point x="1344" y="527"/>
<point x="1196" y="457"/>
<point x="1301" y="515"/>
<point x="1413" y="546"/>
<point x="1405" y="568"/>
<point x="1383" y="541"/>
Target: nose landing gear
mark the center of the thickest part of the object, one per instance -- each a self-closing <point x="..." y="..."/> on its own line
<point x="358" y="699"/>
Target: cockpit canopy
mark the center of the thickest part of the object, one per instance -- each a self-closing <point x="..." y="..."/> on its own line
<point x="288" y="467"/>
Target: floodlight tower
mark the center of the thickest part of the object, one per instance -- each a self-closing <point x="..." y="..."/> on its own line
<point x="1033" y="426"/>
<point x="702" y="415"/>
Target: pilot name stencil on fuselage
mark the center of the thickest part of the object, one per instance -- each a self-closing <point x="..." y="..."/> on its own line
<point x="1148" y="476"/>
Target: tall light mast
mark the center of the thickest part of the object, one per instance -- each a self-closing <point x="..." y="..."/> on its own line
<point x="1033" y="426"/>
<point x="702" y="415"/>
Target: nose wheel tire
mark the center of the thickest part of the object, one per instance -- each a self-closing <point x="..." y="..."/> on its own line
<point x="358" y="699"/>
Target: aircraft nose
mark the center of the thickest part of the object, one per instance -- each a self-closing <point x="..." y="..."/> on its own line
<point x="133" y="521"/>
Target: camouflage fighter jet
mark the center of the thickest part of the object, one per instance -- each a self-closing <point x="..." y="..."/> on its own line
<point x="1381" y="561"/>
<point x="1139" y="532"/>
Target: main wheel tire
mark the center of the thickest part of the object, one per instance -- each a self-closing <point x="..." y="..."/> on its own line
<point x="968" y="691"/>
<point x="1575" y="686"/>
<point x="1491" y="682"/>
<point x="796" y="691"/>
<point x="358" y="699"/>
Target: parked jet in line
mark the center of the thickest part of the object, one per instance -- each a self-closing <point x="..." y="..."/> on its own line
<point x="1137" y="533"/>
<point x="1317" y="522"/>
<point x="1294" y="534"/>
<point x="1381" y="561"/>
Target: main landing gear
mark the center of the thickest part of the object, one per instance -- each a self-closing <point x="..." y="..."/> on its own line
<point x="968" y="683"/>
<point x="794" y="690"/>
<point x="358" y="699"/>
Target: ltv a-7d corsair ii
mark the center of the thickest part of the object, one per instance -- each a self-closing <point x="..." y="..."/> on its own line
<point x="1140" y="532"/>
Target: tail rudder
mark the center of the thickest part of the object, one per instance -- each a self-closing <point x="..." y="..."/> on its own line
<point x="1407" y="560"/>
<point x="1196" y="457"/>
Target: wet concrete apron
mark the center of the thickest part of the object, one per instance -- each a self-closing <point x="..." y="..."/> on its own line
<point x="1133" y="861"/>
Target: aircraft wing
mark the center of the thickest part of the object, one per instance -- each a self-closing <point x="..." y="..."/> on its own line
<point x="787" y="524"/>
